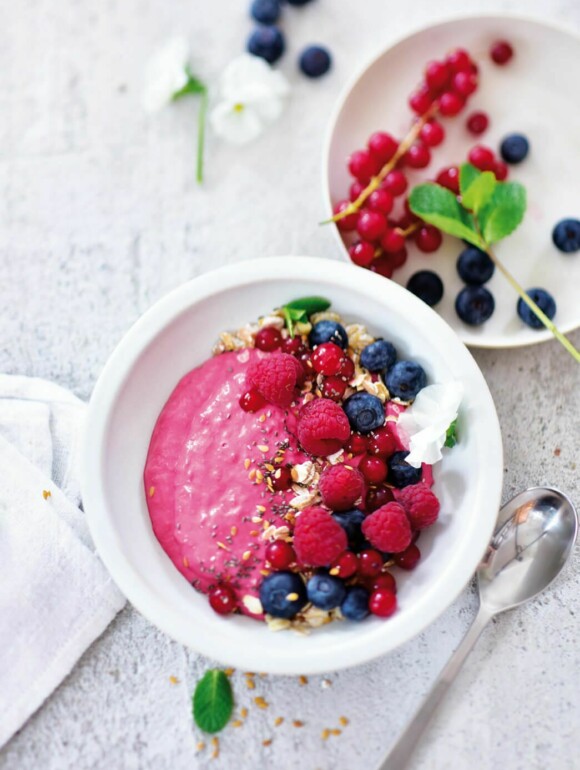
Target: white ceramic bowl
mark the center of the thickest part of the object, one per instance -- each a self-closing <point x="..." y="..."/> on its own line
<point x="525" y="96"/>
<point x="177" y="334"/>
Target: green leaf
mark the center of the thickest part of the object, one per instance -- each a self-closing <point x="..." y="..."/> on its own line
<point x="451" y="436"/>
<point x="213" y="701"/>
<point x="479" y="192"/>
<point x="504" y="212"/>
<point x="193" y="86"/>
<point x="309" y="305"/>
<point x="467" y="176"/>
<point x="438" y="206"/>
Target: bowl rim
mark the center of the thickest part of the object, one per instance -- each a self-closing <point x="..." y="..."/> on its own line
<point x="543" y="335"/>
<point x="111" y="382"/>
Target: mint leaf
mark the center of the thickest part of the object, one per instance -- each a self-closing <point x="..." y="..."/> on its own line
<point x="292" y="316"/>
<point x="438" y="206"/>
<point x="213" y="701"/>
<point x="467" y="176"/>
<point x="504" y="212"/>
<point x="479" y="192"/>
<point x="451" y="435"/>
<point x="309" y="305"/>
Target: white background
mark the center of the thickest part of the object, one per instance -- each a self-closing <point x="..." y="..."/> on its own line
<point x="101" y="215"/>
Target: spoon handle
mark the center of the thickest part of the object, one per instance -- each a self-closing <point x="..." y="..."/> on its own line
<point x="400" y="754"/>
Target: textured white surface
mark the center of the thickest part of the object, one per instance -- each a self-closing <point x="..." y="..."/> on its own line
<point x="101" y="215"/>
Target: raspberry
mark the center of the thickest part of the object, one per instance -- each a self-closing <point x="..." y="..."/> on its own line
<point x="420" y="504"/>
<point x="275" y="377"/>
<point x="388" y="528"/>
<point x="323" y="427"/>
<point x="340" y="487"/>
<point x="318" y="538"/>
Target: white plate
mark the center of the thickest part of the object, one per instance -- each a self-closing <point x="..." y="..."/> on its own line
<point x="536" y="94"/>
<point x="177" y="334"/>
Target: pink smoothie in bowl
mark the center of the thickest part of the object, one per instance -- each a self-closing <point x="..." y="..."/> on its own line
<point x="278" y="478"/>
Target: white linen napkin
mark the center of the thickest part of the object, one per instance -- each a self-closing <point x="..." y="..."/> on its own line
<point x="56" y="597"/>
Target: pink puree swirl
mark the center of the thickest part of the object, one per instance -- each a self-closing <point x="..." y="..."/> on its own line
<point x="200" y="496"/>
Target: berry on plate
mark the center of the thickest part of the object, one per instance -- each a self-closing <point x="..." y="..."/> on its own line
<point x="382" y="602"/>
<point x="377" y="497"/>
<point x="327" y="358"/>
<point x="383" y="146"/>
<point x="351" y="522"/>
<point x="477" y="123"/>
<point x="388" y="528"/>
<point x="340" y="486"/>
<point x="265" y="11"/>
<point x="474" y="305"/>
<point x="514" y="148"/>
<point x="566" y="235"/>
<point x="379" y="356"/>
<point x="328" y="331"/>
<point x="409" y="558"/>
<point x="283" y="594"/>
<point x="355" y="605"/>
<point x="428" y="238"/>
<point x="345" y="566"/>
<point x="543" y="300"/>
<point x="370" y="562"/>
<point x="267" y="43"/>
<point x="275" y="378"/>
<point x="222" y="599"/>
<point x="280" y="554"/>
<point x="268" y="338"/>
<point x="420" y="504"/>
<point x="315" y="61"/>
<point x="364" y="411"/>
<point x="501" y="52"/>
<point x="401" y="474"/>
<point x="325" y="591"/>
<point x="322" y="428"/>
<point x="474" y="266"/>
<point x="382" y="442"/>
<point x="318" y="538"/>
<point x="374" y="469"/>
<point x="405" y="379"/>
<point x="426" y="285"/>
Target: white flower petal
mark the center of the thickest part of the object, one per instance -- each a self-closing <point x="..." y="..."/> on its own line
<point x="249" y="77"/>
<point x="165" y="74"/>
<point x="237" y="126"/>
<point x="269" y="110"/>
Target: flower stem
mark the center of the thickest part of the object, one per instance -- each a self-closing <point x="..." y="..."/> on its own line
<point x="533" y="306"/>
<point x="201" y="134"/>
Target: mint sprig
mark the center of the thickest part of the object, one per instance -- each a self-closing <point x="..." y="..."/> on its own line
<point x="485" y="212"/>
<point x="451" y="435"/>
<point x="298" y="310"/>
<point x="195" y="87"/>
<point x="213" y="701"/>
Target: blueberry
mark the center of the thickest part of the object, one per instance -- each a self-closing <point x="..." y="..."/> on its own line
<point x="274" y="592"/>
<point x="298" y="2"/>
<point x="315" y="61"/>
<point x="426" y="285"/>
<point x="405" y="379"/>
<point x="328" y="331"/>
<point x="401" y="474"/>
<point x="325" y="592"/>
<point x="267" y="43"/>
<point x="474" y="266"/>
<point x="474" y="305"/>
<point x="355" y="605"/>
<point x="514" y="148"/>
<point x="543" y="300"/>
<point x="365" y="412"/>
<point x="378" y="356"/>
<point x="566" y="235"/>
<point x="351" y="522"/>
<point x="265" y="11"/>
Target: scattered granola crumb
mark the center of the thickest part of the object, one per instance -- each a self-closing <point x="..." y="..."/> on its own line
<point x="233" y="531"/>
<point x="303" y="679"/>
<point x="264" y="448"/>
<point x="292" y="597"/>
<point x="325" y="734"/>
<point x="223" y="545"/>
<point x="335" y="731"/>
<point x="261" y="703"/>
<point x="247" y="463"/>
<point x="261" y="508"/>
<point x="151" y="491"/>
<point x="325" y="684"/>
<point x="185" y="562"/>
<point x="229" y="671"/>
<point x="200" y="746"/>
<point x="215" y="742"/>
<point x="173" y="680"/>
<point x="262" y="675"/>
<point x="557" y="452"/>
<point x="278" y="721"/>
<point x="250" y="684"/>
<point x="243" y="712"/>
<point x="46" y="493"/>
<point x="267" y="742"/>
<point x="343" y="721"/>
<point x="298" y="723"/>
<point x="246" y="555"/>
<point x="237" y="723"/>
<point x="262" y="418"/>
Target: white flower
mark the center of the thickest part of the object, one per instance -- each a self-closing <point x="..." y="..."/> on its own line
<point x="424" y="424"/>
<point x="251" y="95"/>
<point x="166" y="74"/>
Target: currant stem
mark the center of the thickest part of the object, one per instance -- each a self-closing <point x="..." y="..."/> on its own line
<point x="201" y="135"/>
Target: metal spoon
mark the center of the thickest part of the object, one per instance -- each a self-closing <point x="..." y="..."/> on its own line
<point x="533" y="539"/>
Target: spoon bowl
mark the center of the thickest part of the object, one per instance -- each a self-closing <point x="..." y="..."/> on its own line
<point x="535" y="534"/>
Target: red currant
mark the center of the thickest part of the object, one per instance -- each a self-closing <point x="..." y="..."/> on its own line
<point x="464" y="83"/>
<point x="392" y="241"/>
<point x="437" y="75"/>
<point x="398" y="259"/>
<point x="432" y="134"/>
<point x="377" y="497"/>
<point x="459" y="61"/>
<point x="222" y="599"/>
<point x="347" y="223"/>
<point x="384" y="580"/>
<point x="501" y="52"/>
<point x="334" y="388"/>
<point x="346" y="564"/>
<point x="355" y="190"/>
<point x="450" y="104"/>
<point x="268" y="338"/>
<point x="281" y="479"/>
<point x="293" y="346"/>
<point x="408" y="558"/>
<point x="421" y="100"/>
<point x="327" y="358"/>
<point x="362" y="253"/>
<point x="395" y="182"/>
<point x="357" y="444"/>
<point x="382" y="443"/>
<point x="428" y="238"/>
<point x="371" y="225"/>
<point x="280" y="554"/>
<point x="449" y="178"/>
<point x="382" y="146"/>
<point x="417" y="156"/>
<point x="380" y="200"/>
<point x="370" y="563"/>
<point x="500" y="170"/>
<point x="373" y="469"/>
<point x="346" y="370"/>
<point x="477" y="123"/>
<point x="481" y="157"/>
<point x="382" y="266"/>
<point x="362" y="165"/>
<point x="251" y="400"/>
<point x="382" y="602"/>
